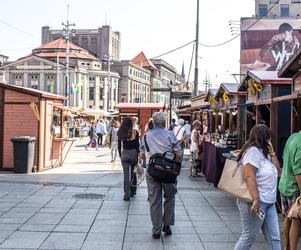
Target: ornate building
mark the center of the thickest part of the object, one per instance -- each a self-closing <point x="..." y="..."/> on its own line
<point x="45" y="69"/>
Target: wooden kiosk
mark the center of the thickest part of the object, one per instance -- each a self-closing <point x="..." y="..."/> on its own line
<point x="262" y="88"/>
<point x="143" y="111"/>
<point x="30" y="112"/>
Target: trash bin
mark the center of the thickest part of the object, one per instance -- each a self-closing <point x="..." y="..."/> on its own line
<point x="24" y="148"/>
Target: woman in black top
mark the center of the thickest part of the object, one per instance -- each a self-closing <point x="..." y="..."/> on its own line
<point x="128" y="148"/>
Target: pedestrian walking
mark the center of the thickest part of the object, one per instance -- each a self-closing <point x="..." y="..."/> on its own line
<point x="290" y="189"/>
<point x="195" y="149"/>
<point x="180" y="133"/>
<point x="172" y="125"/>
<point x="114" y="140"/>
<point x="101" y="130"/>
<point x="261" y="169"/>
<point x="160" y="140"/>
<point x="128" y="148"/>
<point x="93" y="137"/>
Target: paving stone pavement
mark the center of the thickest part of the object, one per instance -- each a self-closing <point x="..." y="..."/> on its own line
<point x="39" y="211"/>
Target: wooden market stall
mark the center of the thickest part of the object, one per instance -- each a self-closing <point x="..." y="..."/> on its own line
<point x="143" y="111"/>
<point x="199" y="110"/>
<point x="30" y="112"/>
<point x="262" y="88"/>
<point x="214" y="120"/>
<point x="227" y="98"/>
<point x="292" y="70"/>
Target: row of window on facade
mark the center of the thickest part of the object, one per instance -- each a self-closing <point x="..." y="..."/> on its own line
<point x="284" y="8"/>
<point x="101" y="93"/>
<point x="139" y="74"/>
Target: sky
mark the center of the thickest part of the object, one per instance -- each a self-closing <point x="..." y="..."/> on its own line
<point x="154" y="27"/>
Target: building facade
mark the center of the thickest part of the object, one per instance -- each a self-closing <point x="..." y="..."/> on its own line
<point x="3" y="59"/>
<point x="134" y="83"/>
<point x="45" y="69"/>
<point x="102" y="41"/>
<point x="285" y="8"/>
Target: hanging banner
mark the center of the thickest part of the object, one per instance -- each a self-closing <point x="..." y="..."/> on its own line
<point x="269" y="44"/>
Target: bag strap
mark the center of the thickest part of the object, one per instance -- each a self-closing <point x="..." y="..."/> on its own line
<point x="179" y="130"/>
<point x="146" y="145"/>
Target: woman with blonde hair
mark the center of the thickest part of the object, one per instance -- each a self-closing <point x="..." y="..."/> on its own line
<point x="114" y="140"/>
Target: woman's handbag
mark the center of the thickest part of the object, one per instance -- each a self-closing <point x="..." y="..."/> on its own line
<point x="233" y="182"/>
<point x="295" y="210"/>
<point x="139" y="171"/>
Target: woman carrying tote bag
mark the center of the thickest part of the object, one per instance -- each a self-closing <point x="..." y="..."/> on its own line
<point x="261" y="169"/>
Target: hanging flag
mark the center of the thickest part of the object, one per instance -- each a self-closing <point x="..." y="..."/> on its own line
<point x="78" y="87"/>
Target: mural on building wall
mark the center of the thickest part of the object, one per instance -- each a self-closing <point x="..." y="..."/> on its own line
<point x="268" y="44"/>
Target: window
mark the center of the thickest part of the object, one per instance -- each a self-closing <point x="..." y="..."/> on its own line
<point x="296" y="1"/>
<point x="273" y="1"/>
<point x="263" y="8"/>
<point x="284" y="10"/>
<point x="91" y="93"/>
<point x="85" y="42"/>
<point x="114" y="94"/>
<point x="100" y="93"/>
<point x="94" y="45"/>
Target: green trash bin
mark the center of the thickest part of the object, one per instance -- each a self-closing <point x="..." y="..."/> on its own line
<point x="24" y="149"/>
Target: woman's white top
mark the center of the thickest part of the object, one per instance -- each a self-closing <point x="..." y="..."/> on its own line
<point x="266" y="174"/>
<point x="194" y="146"/>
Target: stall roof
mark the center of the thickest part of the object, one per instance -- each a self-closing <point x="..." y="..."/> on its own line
<point x="211" y="92"/>
<point x="231" y="88"/>
<point x="291" y="67"/>
<point x="141" y="105"/>
<point x="264" y="77"/>
<point x="31" y="91"/>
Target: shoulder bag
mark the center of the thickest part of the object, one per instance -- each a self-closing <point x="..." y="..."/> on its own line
<point x="163" y="167"/>
<point x="233" y="181"/>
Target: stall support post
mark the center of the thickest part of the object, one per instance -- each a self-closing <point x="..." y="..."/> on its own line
<point x="274" y="125"/>
<point x="230" y="122"/>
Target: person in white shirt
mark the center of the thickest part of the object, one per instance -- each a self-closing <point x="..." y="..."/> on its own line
<point x="101" y="130"/>
<point x="180" y="133"/>
<point x="261" y="169"/>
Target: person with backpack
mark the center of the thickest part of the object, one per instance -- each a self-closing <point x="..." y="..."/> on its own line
<point x="93" y="137"/>
<point x="159" y="140"/>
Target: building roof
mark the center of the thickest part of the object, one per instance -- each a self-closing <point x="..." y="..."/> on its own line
<point x="59" y="48"/>
<point x="142" y="61"/>
<point x="31" y="91"/>
<point x="231" y="88"/>
<point x="4" y="56"/>
<point x="141" y="105"/>
<point x="291" y="67"/>
<point x="59" y="44"/>
<point x="264" y="77"/>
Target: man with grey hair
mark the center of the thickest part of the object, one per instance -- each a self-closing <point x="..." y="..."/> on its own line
<point x="180" y="133"/>
<point x="160" y="140"/>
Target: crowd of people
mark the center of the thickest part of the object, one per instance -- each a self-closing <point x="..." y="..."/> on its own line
<point x="261" y="173"/>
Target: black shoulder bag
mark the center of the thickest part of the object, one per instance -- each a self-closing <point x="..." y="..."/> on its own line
<point x="163" y="167"/>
